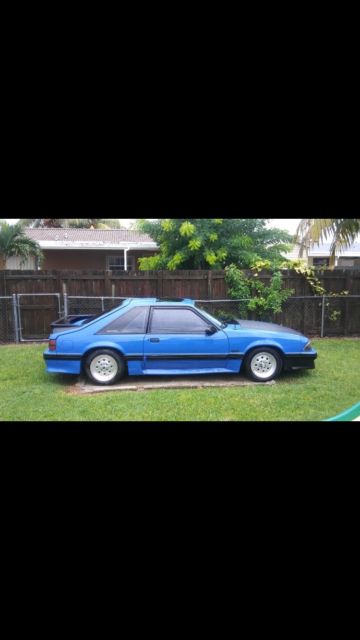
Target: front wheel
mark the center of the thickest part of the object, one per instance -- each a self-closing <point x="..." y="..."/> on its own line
<point x="263" y="365"/>
<point x="104" y="366"/>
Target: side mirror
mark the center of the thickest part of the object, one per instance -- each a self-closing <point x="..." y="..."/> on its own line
<point x="211" y="330"/>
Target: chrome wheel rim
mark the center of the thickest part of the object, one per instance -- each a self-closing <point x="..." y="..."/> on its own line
<point x="263" y="365"/>
<point x="104" y="368"/>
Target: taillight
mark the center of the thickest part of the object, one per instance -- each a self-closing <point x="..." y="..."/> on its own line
<point x="52" y="345"/>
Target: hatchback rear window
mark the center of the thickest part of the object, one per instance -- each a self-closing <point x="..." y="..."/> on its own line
<point x="134" y="321"/>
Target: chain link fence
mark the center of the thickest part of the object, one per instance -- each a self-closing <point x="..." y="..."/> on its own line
<point x="89" y="304"/>
<point x="312" y="315"/>
<point x="323" y="316"/>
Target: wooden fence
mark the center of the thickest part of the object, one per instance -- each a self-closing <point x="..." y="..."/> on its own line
<point x="31" y="300"/>
<point x="200" y="285"/>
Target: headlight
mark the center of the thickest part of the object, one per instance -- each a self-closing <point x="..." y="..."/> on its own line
<point x="308" y="347"/>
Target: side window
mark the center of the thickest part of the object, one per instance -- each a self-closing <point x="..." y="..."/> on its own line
<point x="176" y="321"/>
<point x="134" y="321"/>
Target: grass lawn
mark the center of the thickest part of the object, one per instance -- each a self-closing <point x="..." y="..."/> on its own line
<point x="27" y="392"/>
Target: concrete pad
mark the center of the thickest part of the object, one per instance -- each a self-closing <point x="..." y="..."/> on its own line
<point x="142" y="383"/>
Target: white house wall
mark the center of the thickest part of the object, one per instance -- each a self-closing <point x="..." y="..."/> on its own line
<point x="15" y="263"/>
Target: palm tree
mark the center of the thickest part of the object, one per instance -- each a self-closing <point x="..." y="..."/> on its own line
<point x="80" y="223"/>
<point x="14" y="242"/>
<point x="342" y="231"/>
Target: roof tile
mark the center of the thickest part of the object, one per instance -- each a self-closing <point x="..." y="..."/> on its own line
<point x="87" y="235"/>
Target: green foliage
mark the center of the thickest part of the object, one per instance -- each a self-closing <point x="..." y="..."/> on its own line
<point x="334" y="315"/>
<point x="264" y="300"/>
<point x="14" y="242"/>
<point x="152" y="263"/>
<point x="308" y="273"/>
<point x="212" y="243"/>
<point x="97" y="223"/>
<point x="78" y="223"/>
<point x="187" y="229"/>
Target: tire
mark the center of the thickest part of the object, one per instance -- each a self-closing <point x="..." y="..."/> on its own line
<point x="263" y="364"/>
<point x="104" y="367"/>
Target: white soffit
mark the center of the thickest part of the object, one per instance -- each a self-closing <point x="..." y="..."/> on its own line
<point x="342" y="253"/>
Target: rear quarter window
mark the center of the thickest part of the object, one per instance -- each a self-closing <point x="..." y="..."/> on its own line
<point x="133" y="321"/>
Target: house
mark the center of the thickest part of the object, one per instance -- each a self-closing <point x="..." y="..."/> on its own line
<point x="319" y="255"/>
<point x="103" y="249"/>
<point x="344" y="257"/>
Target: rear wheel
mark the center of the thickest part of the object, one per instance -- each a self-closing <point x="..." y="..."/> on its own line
<point x="104" y="366"/>
<point x="263" y="364"/>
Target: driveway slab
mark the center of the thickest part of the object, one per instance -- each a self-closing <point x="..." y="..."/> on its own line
<point x="140" y="383"/>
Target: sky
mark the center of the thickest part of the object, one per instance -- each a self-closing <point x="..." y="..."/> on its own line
<point x="288" y="224"/>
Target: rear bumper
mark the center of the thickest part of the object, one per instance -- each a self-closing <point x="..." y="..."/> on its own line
<point x="62" y="363"/>
<point x="299" y="361"/>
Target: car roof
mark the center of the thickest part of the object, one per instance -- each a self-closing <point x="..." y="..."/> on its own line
<point x="162" y="301"/>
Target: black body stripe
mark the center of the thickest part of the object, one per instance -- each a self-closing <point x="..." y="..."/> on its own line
<point x="55" y="356"/>
<point x="208" y="356"/>
<point x="169" y="356"/>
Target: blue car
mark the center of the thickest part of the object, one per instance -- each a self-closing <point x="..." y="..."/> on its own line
<point x="154" y="336"/>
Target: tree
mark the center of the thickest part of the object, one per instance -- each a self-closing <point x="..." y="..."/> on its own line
<point x="212" y="243"/>
<point x="79" y="223"/>
<point x="96" y="223"/>
<point x="342" y="231"/>
<point x="14" y="242"/>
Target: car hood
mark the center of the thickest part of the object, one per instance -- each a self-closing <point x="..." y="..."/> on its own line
<point x="263" y="326"/>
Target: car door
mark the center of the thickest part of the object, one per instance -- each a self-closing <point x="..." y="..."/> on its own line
<point x="180" y="340"/>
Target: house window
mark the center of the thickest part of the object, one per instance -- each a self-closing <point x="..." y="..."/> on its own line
<point x="117" y="263"/>
<point x="320" y="262"/>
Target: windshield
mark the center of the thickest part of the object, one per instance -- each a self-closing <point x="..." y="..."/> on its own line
<point x="216" y="322"/>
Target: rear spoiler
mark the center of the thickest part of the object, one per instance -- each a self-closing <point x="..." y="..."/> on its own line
<point x="71" y="322"/>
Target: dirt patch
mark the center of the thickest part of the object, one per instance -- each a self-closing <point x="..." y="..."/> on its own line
<point x="140" y="383"/>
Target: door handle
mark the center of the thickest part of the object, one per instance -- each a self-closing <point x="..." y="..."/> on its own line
<point x="154" y="339"/>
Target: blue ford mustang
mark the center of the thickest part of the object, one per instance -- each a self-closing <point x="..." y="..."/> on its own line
<point x="152" y="336"/>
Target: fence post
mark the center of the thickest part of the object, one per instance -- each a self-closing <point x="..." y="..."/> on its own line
<point x="107" y="283"/>
<point x="3" y="288"/>
<point x="16" y="326"/>
<point x="322" y="317"/>
<point x="66" y="307"/>
<point x="209" y="283"/>
<point x="346" y="312"/>
<point x="160" y="283"/>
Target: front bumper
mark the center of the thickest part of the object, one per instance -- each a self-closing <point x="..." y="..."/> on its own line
<point x="299" y="361"/>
